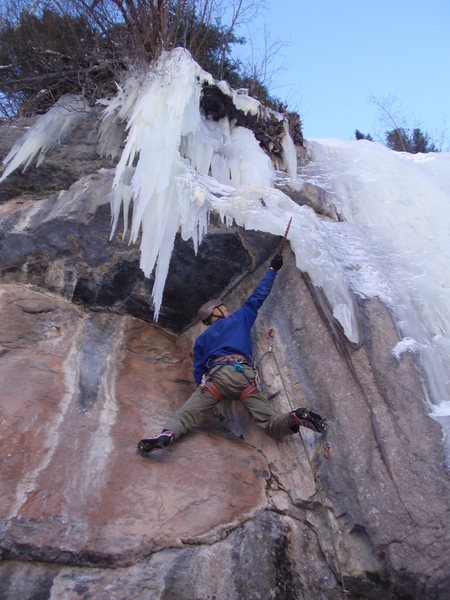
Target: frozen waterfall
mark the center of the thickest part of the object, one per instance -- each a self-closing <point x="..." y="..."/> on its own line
<point x="395" y="242"/>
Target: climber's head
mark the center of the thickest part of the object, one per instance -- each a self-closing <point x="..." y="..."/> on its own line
<point x="213" y="310"/>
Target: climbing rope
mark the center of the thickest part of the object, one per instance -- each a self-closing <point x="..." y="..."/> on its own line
<point x="311" y="466"/>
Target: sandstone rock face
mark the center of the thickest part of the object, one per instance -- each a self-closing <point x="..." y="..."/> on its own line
<point x="226" y="512"/>
<point x="112" y="379"/>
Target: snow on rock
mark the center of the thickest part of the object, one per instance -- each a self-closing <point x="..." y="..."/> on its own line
<point x="241" y="100"/>
<point x="405" y="345"/>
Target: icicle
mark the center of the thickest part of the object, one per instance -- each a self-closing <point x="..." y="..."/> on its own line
<point x="48" y="131"/>
<point x="289" y="153"/>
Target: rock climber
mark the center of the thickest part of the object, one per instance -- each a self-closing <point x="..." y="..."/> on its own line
<point x="223" y="369"/>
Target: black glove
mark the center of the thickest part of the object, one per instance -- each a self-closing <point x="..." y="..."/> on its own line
<point x="277" y="262"/>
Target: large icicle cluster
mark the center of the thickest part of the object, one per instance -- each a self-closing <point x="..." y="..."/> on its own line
<point x="175" y="161"/>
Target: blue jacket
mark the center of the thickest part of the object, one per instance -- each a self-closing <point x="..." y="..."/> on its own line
<point x="231" y="335"/>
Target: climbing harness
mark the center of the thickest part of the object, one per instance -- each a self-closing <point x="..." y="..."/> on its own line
<point x="206" y="385"/>
<point x="238" y="359"/>
<point x="238" y="362"/>
<point x="326" y="447"/>
<point x="249" y="390"/>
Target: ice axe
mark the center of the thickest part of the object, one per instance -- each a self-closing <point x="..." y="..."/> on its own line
<point x="283" y="241"/>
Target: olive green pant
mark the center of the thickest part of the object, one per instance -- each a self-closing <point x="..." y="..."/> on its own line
<point x="230" y="383"/>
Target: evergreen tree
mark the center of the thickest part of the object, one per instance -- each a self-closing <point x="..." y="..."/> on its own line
<point x="363" y="136"/>
<point x="402" y="140"/>
<point x="422" y="142"/>
<point x="398" y="140"/>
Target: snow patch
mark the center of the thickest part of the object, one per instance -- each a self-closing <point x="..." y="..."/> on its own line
<point x="242" y="101"/>
<point x="405" y="345"/>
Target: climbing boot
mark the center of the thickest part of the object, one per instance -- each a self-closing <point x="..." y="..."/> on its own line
<point x="303" y="417"/>
<point x="163" y="440"/>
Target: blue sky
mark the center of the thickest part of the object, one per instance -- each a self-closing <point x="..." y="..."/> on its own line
<point x="339" y="53"/>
